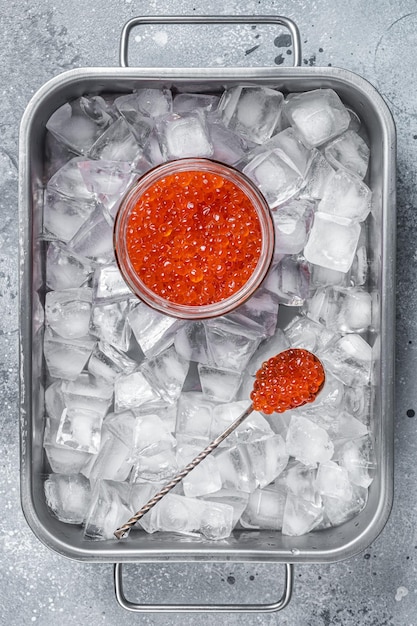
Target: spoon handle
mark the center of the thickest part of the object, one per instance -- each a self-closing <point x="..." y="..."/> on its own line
<point x="123" y="530"/>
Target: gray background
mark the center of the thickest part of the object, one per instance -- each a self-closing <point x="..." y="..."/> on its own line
<point x="378" y="41"/>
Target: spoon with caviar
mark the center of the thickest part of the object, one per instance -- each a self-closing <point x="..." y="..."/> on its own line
<point x="286" y="381"/>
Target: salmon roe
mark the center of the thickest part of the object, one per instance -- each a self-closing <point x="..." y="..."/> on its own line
<point x="290" y="379"/>
<point x="193" y="238"/>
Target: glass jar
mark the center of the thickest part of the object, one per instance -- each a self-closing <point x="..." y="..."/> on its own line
<point x="159" y="180"/>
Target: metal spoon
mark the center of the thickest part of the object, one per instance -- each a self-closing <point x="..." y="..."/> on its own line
<point x="123" y="530"/>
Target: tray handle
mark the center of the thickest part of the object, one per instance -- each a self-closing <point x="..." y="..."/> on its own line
<point x="199" y="608"/>
<point x="210" y="19"/>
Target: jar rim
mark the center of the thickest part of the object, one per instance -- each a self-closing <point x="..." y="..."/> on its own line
<point x="258" y="202"/>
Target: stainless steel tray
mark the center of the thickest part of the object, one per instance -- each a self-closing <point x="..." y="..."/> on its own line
<point x="328" y="545"/>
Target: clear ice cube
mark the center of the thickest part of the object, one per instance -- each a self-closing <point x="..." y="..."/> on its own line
<point x="151" y="102"/>
<point x="87" y="392"/>
<point x="259" y="312"/>
<point x="342" y="309"/>
<point x="349" y="358"/>
<point x="347" y="196"/>
<point x="317" y="176"/>
<point x="107" y="363"/>
<point x="292" y="223"/>
<point x="349" y="151"/>
<point x="300" y="480"/>
<point x="254" y="428"/>
<point x="94" y="240"/>
<point x="68" y="497"/>
<point x="358" y="458"/>
<point x="267" y="349"/>
<point x="68" y="182"/>
<point x="339" y="511"/>
<point x="253" y="112"/>
<point x="64" y="460"/>
<point x="80" y="122"/>
<point x="238" y="500"/>
<point x="191" y="343"/>
<point x="332" y="242"/>
<point x="218" y="383"/>
<point x="184" y="102"/>
<point x="109" y="509"/>
<point x="107" y="180"/>
<point x="235" y="469"/>
<point x="68" y="312"/>
<point x="307" y="442"/>
<point x="154" y="331"/>
<point x="54" y="400"/>
<point x="333" y="480"/>
<point x="66" y="358"/>
<point x="132" y="390"/>
<point x="63" y="216"/>
<point x="65" y="270"/>
<point x="166" y="372"/>
<point x="268" y="458"/>
<point x="184" y="135"/>
<point x="293" y="281"/>
<point x="275" y="175"/>
<point x="194" y="415"/>
<point x="302" y="332"/>
<point x="228" y="146"/>
<point x="265" y="509"/>
<point x="80" y="429"/>
<point x="109" y="322"/>
<point x="300" y="516"/>
<point x="118" y="143"/>
<point x="318" y="115"/>
<point x="109" y="285"/>
<point x="112" y="461"/>
<point x="203" y="479"/>
<point x="230" y="345"/>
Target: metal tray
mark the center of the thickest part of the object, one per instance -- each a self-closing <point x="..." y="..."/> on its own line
<point x="325" y="546"/>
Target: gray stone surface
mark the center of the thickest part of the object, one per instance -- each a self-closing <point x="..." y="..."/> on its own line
<point x="374" y="39"/>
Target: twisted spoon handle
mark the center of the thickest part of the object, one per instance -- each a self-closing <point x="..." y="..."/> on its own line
<point x="123" y="530"/>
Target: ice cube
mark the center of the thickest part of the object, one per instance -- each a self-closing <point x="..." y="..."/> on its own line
<point x="152" y="150"/>
<point x="253" y="112"/>
<point x="87" y="392"/>
<point x="235" y="469"/>
<point x="349" y="151"/>
<point x="189" y="447"/>
<point x="293" y="281"/>
<point x="230" y="345"/>
<point x="236" y="499"/>
<point x="121" y="425"/>
<point x="94" y="240"/>
<point x="184" y="135"/>
<point x="292" y="224"/>
<point x="307" y="442"/>
<point x="330" y="397"/>
<point x="259" y="312"/>
<point x="323" y="277"/>
<point x="112" y="460"/>
<point x="68" y="182"/>
<point x="358" y="458"/>
<point x="342" y="309"/>
<point x="317" y="175"/>
<point x="132" y="390"/>
<point x="65" y="270"/>
<point x="167" y="372"/>
<point x="150" y="102"/>
<point x="54" y="401"/>
<point x="177" y="514"/>
<point x="191" y="101"/>
<point x="347" y="196"/>
<point x="317" y="115"/>
<point x="229" y="147"/>
<point x="109" y="323"/>
<point x="304" y="333"/>
<point x="275" y="175"/>
<point x="357" y="401"/>
<point x="80" y="429"/>
<point x="68" y="312"/>
<point x="109" y="285"/>
<point x="299" y="480"/>
<point x="80" y="122"/>
<point x="140" y="494"/>
<point x="203" y="479"/>
<point x="265" y="509"/>
<point x="150" y="436"/>
<point x="63" y="216"/>
<point x="57" y="155"/>
<point x="155" y="467"/>
<point x="66" y="358"/>
<point x="108" y="180"/>
<point x="268" y="458"/>
<point x="68" y="497"/>
<point x="300" y="516"/>
<point x="154" y="331"/>
<point x="254" y="428"/>
<point x="109" y="509"/>
<point x="108" y="363"/>
<point x="118" y="143"/>
<point x="349" y="358"/>
<point x="194" y="415"/>
<point x="64" y="460"/>
<point x="267" y="349"/>
<point x="333" y="480"/>
<point x="332" y="242"/>
<point x="217" y="521"/>
<point x="218" y="383"/>
<point x="191" y="343"/>
<point x="339" y="511"/>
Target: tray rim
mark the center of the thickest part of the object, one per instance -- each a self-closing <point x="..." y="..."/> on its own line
<point x="125" y="552"/>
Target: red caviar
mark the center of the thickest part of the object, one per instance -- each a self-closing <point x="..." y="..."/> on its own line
<point x="286" y="381"/>
<point x="193" y="238"/>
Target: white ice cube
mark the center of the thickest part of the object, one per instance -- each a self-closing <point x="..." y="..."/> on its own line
<point x="332" y="242"/>
<point x="333" y="480"/>
<point x="203" y="479"/>
<point x="80" y="429"/>
<point x="68" y="497"/>
<point x="349" y="359"/>
<point x="346" y="195"/>
<point x="219" y="383"/>
<point x="349" y="151"/>
<point x="300" y="516"/>
<point x="184" y="135"/>
<point x="132" y="390"/>
<point x="307" y="442"/>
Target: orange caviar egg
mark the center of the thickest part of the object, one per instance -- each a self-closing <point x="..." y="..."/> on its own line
<point x="290" y="379"/>
<point x="193" y="238"/>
